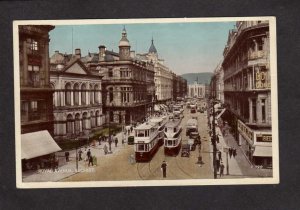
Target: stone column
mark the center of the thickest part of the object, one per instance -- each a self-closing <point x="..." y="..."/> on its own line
<point x="72" y="98"/>
<point x="79" y="97"/>
<point x="250" y="110"/>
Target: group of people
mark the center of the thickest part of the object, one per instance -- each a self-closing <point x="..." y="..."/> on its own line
<point x="92" y="160"/>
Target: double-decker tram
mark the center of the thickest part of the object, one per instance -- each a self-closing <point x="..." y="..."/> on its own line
<point x="146" y="141"/>
<point x="161" y="122"/>
<point x="172" y="140"/>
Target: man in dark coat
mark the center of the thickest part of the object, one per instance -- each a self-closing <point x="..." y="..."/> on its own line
<point x="90" y="160"/>
<point x="88" y="154"/>
<point x="234" y="152"/>
<point x="230" y="152"/>
<point x="164" y="169"/>
<point x="67" y="156"/>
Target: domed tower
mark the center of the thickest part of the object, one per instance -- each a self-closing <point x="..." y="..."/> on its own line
<point x="124" y="47"/>
<point x="152" y="49"/>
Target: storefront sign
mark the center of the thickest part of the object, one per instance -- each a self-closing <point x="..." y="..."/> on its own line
<point x="245" y="131"/>
<point x="263" y="137"/>
<point x="261" y="80"/>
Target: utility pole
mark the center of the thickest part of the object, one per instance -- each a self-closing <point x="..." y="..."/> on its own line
<point x="214" y="141"/>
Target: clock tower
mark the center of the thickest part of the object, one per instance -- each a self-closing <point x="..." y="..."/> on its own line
<point x="124" y="47"/>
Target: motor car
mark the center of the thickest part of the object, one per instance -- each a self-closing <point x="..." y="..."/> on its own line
<point x="185" y="150"/>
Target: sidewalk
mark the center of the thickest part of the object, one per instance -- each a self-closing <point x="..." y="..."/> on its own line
<point x="239" y="166"/>
<point x="67" y="169"/>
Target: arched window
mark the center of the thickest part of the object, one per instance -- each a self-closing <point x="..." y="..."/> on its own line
<point x="84" y="120"/>
<point x="68" y="94"/>
<point x="76" y="94"/>
<point x="96" y="94"/>
<point x="83" y="94"/>
<point x="77" y="123"/>
<point x="97" y="118"/>
<point x="69" y="124"/>
<point x="92" y="119"/>
<point x="91" y="91"/>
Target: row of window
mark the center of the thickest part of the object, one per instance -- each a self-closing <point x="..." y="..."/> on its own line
<point x="33" y="110"/>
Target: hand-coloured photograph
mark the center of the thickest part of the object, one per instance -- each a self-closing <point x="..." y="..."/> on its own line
<point x="146" y="102"/>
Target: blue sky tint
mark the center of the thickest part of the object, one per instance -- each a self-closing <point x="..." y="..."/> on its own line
<point x="185" y="47"/>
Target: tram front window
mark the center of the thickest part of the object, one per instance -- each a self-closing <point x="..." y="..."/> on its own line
<point x="141" y="147"/>
<point x="170" y="143"/>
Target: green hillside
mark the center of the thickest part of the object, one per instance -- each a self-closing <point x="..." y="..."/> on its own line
<point x="203" y="78"/>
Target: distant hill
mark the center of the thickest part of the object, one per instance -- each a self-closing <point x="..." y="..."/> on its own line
<point x="203" y="78"/>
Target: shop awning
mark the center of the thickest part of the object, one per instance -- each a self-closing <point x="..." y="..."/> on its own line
<point x="261" y="151"/>
<point x="221" y="113"/>
<point x="37" y="144"/>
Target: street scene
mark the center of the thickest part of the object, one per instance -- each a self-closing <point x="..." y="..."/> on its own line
<point x="129" y="102"/>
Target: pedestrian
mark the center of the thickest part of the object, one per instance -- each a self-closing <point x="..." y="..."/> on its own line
<point x="164" y="168"/>
<point x="221" y="169"/>
<point x="90" y="160"/>
<point x="131" y="129"/>
<point x="220" y="155"/>
<point x="109" y="143"/>
<point x="105" y="149"/>
<point x="67" y="154"/>
<point x="100" y="138"/>
<point x="217" y="164"/>
<point x="88" y="154"/>
<point x="234" y="152"/>
<point x="95" y="160"/>
<point x="116" y="141"/>
<point x="79" y="154"/>
<point x="230" y="152"/>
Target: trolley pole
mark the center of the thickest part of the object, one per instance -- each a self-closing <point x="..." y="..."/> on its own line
<point x="227" y="165"/>
<point x="76" y="154"/>
<point x="214" y="141"/>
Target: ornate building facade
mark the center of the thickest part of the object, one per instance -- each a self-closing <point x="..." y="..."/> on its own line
<point x="128" y="83"/>
<point x="163" y="75"/>
<point x="77" y="98"/>
<point x="36" y="92"/>
<point x="247" y="88"/>
<point x="196" y="90"/>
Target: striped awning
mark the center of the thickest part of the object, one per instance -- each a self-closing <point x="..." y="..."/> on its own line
<point x="37" y="144"/>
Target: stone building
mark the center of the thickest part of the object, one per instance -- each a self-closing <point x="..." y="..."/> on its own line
<point x="36" y="92"/>
<point x="179" y="87"/>
<point x="196" y="90"/>
<point x="36" y="104"/>
<point x="219" y="77"/>
<point x="247" y="89"/>
<point x="163" y="75"/>
<point x="77" y="98"/>
<point x="128" y="83"/>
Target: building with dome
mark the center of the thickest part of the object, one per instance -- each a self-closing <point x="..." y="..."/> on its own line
<point x="127" y="85"/>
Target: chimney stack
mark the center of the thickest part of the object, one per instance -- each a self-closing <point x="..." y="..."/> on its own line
<point x="102" y="49"/>
<point x="78" y="53"/>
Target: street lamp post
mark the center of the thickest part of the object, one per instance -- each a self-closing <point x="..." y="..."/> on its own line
<point x="226" y="149"/>
<point x="76" y="154"/>
<point x="214" y="141"/>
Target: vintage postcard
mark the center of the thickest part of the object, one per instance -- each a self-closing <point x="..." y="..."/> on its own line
<point x="146" y="102"/>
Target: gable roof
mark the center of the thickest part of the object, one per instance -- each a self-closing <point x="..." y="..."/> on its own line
<point x="76" y="66"/>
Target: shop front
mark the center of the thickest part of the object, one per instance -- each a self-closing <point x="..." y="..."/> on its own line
<point x="38" y="150"/>
<point x="256" y="144"/>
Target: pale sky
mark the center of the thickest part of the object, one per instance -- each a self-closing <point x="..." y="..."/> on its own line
<point x="185" y="47"/>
